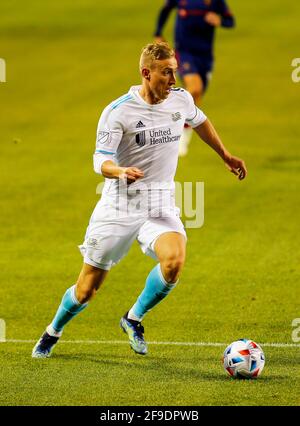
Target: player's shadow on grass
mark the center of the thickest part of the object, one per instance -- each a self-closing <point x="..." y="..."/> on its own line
<point x="166" y="366"/>
<point x="156" y="366"/>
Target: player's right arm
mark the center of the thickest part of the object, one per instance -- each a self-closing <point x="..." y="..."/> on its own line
<point x="163" y="17"/>
<point x="109" y="136"/>
<point x="111" y="170"/>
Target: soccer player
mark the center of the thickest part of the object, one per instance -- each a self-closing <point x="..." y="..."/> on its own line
<point x="196" y="21"/>
<point x="137" y="151"/>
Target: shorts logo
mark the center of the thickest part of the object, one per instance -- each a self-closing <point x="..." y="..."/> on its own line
<point x="92" y="242"/>
<point x="102" y="137"/>
<point x="176" y="116"/>
<point x="140" y="138"/>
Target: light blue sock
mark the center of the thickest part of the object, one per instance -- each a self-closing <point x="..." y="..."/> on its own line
<point x="68" y="308"/>
<point x="156" y="289"/>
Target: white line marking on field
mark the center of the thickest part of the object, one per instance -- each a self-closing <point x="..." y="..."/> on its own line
<point x="125" y="342"/>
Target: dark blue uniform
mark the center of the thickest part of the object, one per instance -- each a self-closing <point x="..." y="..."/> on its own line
<point x="194" y="38"/>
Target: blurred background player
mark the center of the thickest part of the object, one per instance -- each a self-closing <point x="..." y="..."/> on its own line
<point x="195" y="25"/>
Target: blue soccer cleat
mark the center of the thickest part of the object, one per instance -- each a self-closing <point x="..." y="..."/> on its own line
<point x="44" y="346"/>
<point x="134" y="330"/>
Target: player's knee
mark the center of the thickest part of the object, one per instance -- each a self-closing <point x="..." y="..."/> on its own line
<point x="85" y="294"/>
<point x="172" y="267"/>
<point x="88" y="284"/>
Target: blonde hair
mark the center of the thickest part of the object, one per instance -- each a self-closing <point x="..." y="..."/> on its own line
<point x="155" y="52"/>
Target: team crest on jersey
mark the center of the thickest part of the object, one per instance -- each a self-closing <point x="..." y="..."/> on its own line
<point x="186" y="66"/>
<point x="102" y="137"/>
<point x="207" y="2"/>
<point x="182" y="13"/>
<point x="140" y="138"/>
<point x="176" y="116"/>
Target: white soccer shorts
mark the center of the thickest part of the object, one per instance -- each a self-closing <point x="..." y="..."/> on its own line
<point x="110" y="233"/>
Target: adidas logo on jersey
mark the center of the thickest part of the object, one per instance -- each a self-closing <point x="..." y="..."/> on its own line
<point x="140" y="124"/>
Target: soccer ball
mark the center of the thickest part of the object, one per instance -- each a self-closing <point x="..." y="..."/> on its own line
<point x="244" y="359"/>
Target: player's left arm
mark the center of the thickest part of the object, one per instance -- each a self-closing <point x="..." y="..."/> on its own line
<point x="209" y="135"/>
<point x="221" y="16"/>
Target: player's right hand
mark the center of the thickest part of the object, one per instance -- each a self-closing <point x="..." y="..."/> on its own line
<point x="130" y="174"/>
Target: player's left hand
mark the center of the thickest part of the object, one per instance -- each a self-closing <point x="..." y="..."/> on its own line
<point x="213" y="19"/>
<point x="236" y="166"/>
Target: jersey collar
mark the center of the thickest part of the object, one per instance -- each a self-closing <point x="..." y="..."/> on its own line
<point x="134" y="91"/>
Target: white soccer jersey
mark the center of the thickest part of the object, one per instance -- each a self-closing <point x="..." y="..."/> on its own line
<point x="133" y="133"/>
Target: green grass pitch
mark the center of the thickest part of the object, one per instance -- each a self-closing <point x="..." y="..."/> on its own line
<point x="67" y="60"/>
